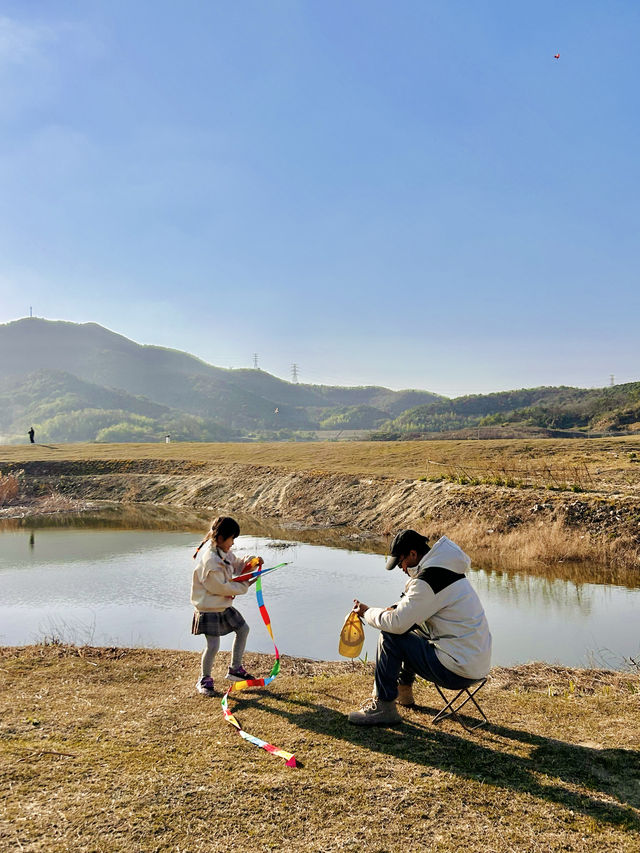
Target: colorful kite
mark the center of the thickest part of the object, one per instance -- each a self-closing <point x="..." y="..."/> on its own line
<point x="289" y="757"/>
<point x="556" y="56"/>
<point x="248" y="576"/>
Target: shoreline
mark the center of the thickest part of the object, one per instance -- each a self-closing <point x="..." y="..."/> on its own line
<point x="518" y="599"/>
<point x="532" y="674"/>
<point x="508" y="554"/>
<point x="594" y="528"/>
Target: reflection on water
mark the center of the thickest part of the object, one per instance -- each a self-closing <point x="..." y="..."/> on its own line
<point x="141" y="516"/>
<point x="151" y="517"/>
<point x="518" y="590"/>
<point x="112" y="586"/>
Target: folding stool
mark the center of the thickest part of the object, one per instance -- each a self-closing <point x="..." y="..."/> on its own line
<point x="452" y="707"/>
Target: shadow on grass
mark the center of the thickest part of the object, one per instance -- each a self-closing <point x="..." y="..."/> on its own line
<point x="481" y="756"/>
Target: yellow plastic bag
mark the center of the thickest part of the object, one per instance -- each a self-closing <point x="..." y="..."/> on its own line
<point x="351" y="636"/>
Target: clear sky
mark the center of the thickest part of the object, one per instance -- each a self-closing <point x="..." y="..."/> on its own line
<point x="411" y="193"/>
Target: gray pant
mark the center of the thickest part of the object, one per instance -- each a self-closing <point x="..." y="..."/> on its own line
<point x="213" y="644"/>
<point x="400" y="657"/>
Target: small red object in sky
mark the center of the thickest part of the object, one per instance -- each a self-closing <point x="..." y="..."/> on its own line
<point x="556" y="56"/>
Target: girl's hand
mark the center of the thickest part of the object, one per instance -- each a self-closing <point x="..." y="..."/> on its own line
<point x="253" y="563"/>
<point x="359" y="608"/>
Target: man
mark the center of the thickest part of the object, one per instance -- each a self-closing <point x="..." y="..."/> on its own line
<point x="32" y="435"/>
<point x="437" y="630"/>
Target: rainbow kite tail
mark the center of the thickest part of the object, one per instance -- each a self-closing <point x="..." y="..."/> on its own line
<point x="290" y="759"/>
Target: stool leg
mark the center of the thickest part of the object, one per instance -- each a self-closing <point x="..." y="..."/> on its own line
<point x="451" y="709"/>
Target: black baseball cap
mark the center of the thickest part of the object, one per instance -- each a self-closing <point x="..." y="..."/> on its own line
<point x="403" y="542"/>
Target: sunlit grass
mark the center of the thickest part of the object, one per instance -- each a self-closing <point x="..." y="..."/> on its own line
<point x="114" y="750"/>
<point x="586" y="462"/>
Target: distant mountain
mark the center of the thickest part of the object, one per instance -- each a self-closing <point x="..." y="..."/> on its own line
<point x="116" y="375"/>
<point x="77" y="382"/>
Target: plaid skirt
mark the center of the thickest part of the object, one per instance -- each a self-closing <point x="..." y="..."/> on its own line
<point x="216" y="624"/>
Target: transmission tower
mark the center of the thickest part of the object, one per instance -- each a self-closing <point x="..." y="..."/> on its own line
<point x="255" y="361"/>
<point x="294" y="372"/>
<point x="612" y="379"/>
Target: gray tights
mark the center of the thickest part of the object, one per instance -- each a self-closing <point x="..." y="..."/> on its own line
<point x="213" y="644"/>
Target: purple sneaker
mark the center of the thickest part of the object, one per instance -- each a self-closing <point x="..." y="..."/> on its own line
<point x="205" y="686"/>
<point x="239" y="674"/>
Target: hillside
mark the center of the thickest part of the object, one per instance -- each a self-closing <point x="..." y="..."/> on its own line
<point x="84" y="382"/>
<point x="65" y="408"/>
<point x="613" y="409"/>
<point x="77" y="382"/>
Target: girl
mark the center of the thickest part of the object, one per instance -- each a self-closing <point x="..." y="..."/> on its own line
<point x="212" y="594"/>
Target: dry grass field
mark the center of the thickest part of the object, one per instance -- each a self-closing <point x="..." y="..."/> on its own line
<point x="113" y="750"/>
<point x="606" y="462"/>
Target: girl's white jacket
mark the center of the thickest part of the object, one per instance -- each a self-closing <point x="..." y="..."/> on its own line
<point x="445" y="608"/>
<point x="212" y="589"/>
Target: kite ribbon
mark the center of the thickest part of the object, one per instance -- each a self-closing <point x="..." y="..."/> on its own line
<point x="289" y="757"/>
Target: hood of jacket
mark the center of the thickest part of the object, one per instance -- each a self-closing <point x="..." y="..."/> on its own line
<point x="447" y="555"/>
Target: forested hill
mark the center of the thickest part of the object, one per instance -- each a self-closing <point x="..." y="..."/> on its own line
<point x="57" y="376"/>
<point x="75" y="382"/>
<point x="611" y="409"/>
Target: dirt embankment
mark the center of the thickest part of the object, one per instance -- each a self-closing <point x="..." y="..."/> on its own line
<point x="513" y="524"/>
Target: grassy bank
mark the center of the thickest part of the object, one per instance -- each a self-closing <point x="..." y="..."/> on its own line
<point x="113" y="749"/>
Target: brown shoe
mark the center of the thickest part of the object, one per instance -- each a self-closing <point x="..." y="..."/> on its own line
<point x="405" y="695"/>
<point x="376" y="712"/>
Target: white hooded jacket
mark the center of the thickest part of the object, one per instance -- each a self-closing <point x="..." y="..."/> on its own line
<point x="211" y="586"/>
<point x="440" y="603"/>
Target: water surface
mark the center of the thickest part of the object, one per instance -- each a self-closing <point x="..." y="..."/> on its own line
<point x="131" y="588"/>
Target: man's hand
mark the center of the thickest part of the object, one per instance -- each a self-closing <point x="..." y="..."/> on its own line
<point x="359" y="608"/>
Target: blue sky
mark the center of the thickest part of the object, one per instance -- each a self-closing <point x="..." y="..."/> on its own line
<point x="412" y="194"/>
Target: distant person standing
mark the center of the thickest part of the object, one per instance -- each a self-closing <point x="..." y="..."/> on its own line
<point x="167" y="439"/>
<point x="32" y="435"/>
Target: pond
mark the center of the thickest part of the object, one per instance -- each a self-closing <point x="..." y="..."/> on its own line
<point x="131" y="588"/>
